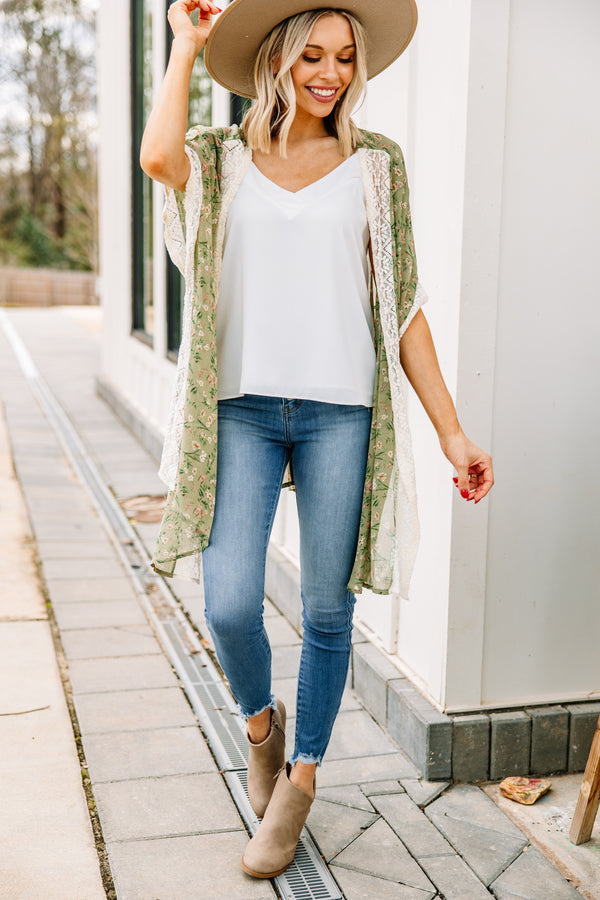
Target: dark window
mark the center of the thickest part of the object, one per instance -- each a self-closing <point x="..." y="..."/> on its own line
<point x="237" y="108"/>
<point x="142" y="224"/>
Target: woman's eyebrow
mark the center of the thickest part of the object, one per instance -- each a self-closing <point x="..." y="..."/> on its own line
<point x="318" y="46"/>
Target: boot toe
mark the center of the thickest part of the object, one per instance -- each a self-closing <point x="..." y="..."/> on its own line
<point x="272" y="848"/>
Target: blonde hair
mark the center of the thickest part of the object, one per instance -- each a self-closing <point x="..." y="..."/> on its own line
<point x="272" y="113"/>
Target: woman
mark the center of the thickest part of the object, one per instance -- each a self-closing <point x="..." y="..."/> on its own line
<point x="303" y="362"/>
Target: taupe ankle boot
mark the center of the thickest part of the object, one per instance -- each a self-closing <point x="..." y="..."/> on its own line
<point x="272" y="848"/>
<point x="265" y="761"/>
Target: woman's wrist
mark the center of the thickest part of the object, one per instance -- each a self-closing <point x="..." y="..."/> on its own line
<point x="185" y="46"/>
<point x="448" y="431"/>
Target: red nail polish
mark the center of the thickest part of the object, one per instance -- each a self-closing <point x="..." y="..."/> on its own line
<point x="455" y="480"/>
<point x="464" y="494"/>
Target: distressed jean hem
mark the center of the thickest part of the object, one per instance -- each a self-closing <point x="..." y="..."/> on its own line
<point x="308" y="759"/>
<point x="272" y="704"/>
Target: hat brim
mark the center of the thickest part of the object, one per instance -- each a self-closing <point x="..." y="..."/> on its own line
<point x="237" y="34"/>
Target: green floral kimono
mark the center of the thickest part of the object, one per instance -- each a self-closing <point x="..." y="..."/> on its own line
<point x="194" y="234"/>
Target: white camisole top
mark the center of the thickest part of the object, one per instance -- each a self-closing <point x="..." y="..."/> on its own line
<point x="294" y="317"/>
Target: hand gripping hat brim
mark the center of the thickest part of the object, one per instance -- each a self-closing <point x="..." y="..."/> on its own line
<point x="237" y="34"/>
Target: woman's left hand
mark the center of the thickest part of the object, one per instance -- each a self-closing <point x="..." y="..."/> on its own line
<point x="473" y="466"/>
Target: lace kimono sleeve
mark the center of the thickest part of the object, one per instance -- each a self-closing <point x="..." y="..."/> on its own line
<point x="179" y="209"/>
<point x="181" y="216"/>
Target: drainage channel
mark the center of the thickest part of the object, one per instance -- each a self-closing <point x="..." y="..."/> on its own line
<point x="307" y="878"/>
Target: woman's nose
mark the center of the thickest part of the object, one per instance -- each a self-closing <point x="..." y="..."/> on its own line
<point x="328" y="68"/>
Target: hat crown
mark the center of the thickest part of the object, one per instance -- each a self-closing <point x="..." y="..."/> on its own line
<point x="236" y="36"/>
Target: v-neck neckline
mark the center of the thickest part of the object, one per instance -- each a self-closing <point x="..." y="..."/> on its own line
<point x="306" y="186"/>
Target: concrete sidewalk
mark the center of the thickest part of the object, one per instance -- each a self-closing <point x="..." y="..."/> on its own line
<point x="47" y="846"/>
<point x="167" y="819"/>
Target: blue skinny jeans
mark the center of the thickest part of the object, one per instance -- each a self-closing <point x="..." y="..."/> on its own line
<point x="327" y="445"/>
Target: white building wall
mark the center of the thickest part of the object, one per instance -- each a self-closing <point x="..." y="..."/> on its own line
<point x="114" y="184"/>
<point x="140" y="373"/>
<point x="495" y="106"/>
<point x="543" y="588"/>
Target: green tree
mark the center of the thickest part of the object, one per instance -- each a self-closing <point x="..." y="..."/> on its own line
<point x="47" y="150"/>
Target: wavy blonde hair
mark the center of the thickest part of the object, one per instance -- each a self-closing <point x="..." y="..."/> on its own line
<point x="272" y="113"/>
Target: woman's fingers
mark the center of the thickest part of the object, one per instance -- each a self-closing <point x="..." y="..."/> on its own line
<point x="485" y="481"/>
<point x="206" y="7"/>
<point x="476" y="481"/>
<point x="179" y="16"/>
<point x="191" y="5"/>
<point x="186" y="7"/>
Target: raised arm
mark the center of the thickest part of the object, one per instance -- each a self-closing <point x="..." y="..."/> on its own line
<point x="162" y="153"/>
<point x="420" y="363"/>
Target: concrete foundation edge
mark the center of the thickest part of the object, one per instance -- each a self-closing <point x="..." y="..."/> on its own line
<point x="149" y="437"/>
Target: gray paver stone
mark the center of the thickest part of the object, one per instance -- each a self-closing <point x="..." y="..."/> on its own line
<point x="67" y="507"/>
<point x="285" y="662"/>
<point x="107" y="613"/>
<point x="531" y="877"/>
<point x="92" y="643"/>
<point x="583" y="719"/>
<point x="549" y="739"/>
<point x="454" y="879"/>
<point x="120" y="673"/>
<point x="281" y="633"/>
<point x="68" y="531"/>
<point x="356" y="734"/>
<point x="470" y="748"/>
<point x="348" y="795"/>
<point x="147" y="754"/>
<point x="421" y="791"/>
<point x="422" y="732"/>
<point x="285" y="690"/>
<point x="363" y="769"/>
<point x="334" y="827"/>
<point x="350" y="702"/>
<point x="378" y="851"/>
<point x="114" y="587"/>
<point x="412" y="826"/>
<point x="77" y="550"/>
<point x="159" y="807"/>
<point x="510" y="744"/>
<point x="477" y="829"/>
<point x="487" y="852"/>
<point x="282" y="585"/>
<point x="185" y="868"/>
<point x="371" y="673"/>
<point x="82" y="568"/>
<point x="358" y="886"/>
<point x="470" y="804"/>
<point x="382" y="787"/>
<point x="133" y="710"/>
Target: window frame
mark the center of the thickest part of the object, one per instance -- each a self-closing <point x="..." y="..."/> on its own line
<point x="141" y="185"/>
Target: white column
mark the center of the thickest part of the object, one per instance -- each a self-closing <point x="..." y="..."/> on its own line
<point x="482" y="224"/>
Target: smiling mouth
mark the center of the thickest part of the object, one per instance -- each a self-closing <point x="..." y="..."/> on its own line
<point x="322" y="94"/>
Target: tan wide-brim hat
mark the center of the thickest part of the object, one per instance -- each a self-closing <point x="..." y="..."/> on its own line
<point x="237" y="34"/>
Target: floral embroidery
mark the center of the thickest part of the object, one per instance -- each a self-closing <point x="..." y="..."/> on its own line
<point x="194" y="228"/>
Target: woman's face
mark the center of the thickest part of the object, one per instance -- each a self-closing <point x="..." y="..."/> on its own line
<point x="326" y="66"/>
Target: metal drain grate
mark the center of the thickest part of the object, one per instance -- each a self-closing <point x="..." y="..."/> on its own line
<point x="209" y="697"/>
<point x="307" y="878"/>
